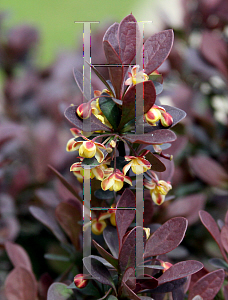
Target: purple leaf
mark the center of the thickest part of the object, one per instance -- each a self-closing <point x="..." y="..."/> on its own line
<point x="98" y="271"/>
<point x="212" y="227"/>
<point x="178" y="294"/>
<point x="145" y="99"/>
<point x="225" y="292"/>
<point x="157" y="49"/>
<point x="180" y="270"/>
<point x="224" y="237"/>
<point x="111" y="239"/>
<point x="79" y="80"/>
<point x="169" y="286"/>
<point x="128" y="33"/>
<point x="209" y="170"/>
<point x="91" y="123"/>
<point x="116" y="73"/>
<point x="129" y="278"/>
<point x="18" y="256"/>
<point x="157" y="137"/>
<point x="112" y="260"/>
<point x="48" y="220"/>
<point x="166" y="238"/>
<point x="59" y="291"/>
<point x="208" y="286"/>
<point x="68" y="216"/>
<point x="111" y="35"/>
<point x="125" y="217"/>
<point x="127" y="253"/>
<point x="130" y="293"/>
<point x="21" y="284"/>
<point x="156" y="163"/>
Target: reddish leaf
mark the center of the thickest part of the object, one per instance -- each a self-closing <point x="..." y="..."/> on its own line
<point x="196" y="276"/>
<point x="130" y="293"/>
<point x="180" y="270"/>
<point x="129" y="278"/>
<point x="156" y="163"/>
<point x="128" y="32"/>
<point x="169" y="169"/>
<point x="224" y="237"/>
<point x="166" y="238"/>
<point x="209" y="170"/>
<point x="145" y="99"/>
<point x="125" y="217"/>
<point x="169" y="286"/>
<point x="98" y="271"/>
<point x="111" y="36"/>
<point x="226" y="218"/>
<point x="111" y="239"/>
<point x="21" y="284"/>
<point x="112" y="260"/>
<point x="127" y="257"/>
<point x="212" y="227"/>
<point x="157" y="137"/>
<point x="43" y="285"/>
<point x="208" y="286"/>
<point x="91" y="123"/>
<point x="214" y="49"/>
<point x="68" y="216"/>
<point x="116" y="73"/>
<point x="187" y="207"/>
<point x="48" y="220"/>
<point x="147" y="282"/>
<point x="156" y="49"/>
<point x="79" y="80"/>
<point x="225" y="292"/>
<point x="18" y="256"/>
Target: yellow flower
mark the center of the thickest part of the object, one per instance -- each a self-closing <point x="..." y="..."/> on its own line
<point x="114" y="182"/>
<point x="158" y="189"/>
<point x="97" y="172"/>
<point x="157" y="113"/>
<point x="136" y="76"/>
<point x="138" y="164"/>
<point x="87" y="148"/>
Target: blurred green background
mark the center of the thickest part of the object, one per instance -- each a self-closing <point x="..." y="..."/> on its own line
<point x="55" y="19"/>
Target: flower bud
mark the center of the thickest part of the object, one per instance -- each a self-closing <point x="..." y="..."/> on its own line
<point x="98" y="226"/>
<point x="84" y="110"/>
<point x="80" y="282"/>
<point x="147" y="230"/>
<point x="166" y="265"/>
<point x="152" y="116"/>
<point x="166" y="119"/>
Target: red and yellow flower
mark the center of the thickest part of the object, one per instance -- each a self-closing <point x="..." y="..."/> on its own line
<point x="115" y="181"/>
<point x="138" y="164"/>
<point x="158" y="189"/>
<point x="157" y="113"/>
<point x="97" y="172"/>
<point x="136" y="76"/>
<point x="87" y="148"/>
<point x="80" y="281"/>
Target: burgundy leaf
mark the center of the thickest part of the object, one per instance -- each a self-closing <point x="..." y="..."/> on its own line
<point x="111" y="35"/>
<point x="214" y="49"/>
<point x="196" y="276"/>
<point x="59" y="291"/>
<point x="66" y="184"/>
<point x="21" y="284"/>
<point x="112" y="260"/>
<point x="209" y="170"/>
<point x="127" y="257"/>
<point x="18" y="256"/>
<point x="225" y="292"/>
<point x="91" y="123"/>
<point x="157" y="137"/>
<point x="125" y="217"/>
<point x="156" y="164"/>
<point x="145" y="99"/>
<point x="169" y="286"/>
<point x="212" y="227"/>
<point x="130" y="293"/>
<point x="224" y="237"/>
<point x="178" y="294"/>
<point x="208" y="286"/>
<point x="129" y="278"/>
<point x="128" y="32"/>
<point x="156" y="49"/>
<point x="111" y="239"/>
<point x="116" y="73"/>
<point x="167" y="237"/>
<point x="147" y="282"/>
<point x="48" y="220"/>
<point x="180" y="270"/>
<point x="226" y="218"/>
<point x="98" y="271"/>
<point x="43" y="285"/>
<point x="69" y="216"/>
<point x="79" y="80"/>
<point x="169" y="169"/>
<point x="187" y="207"/>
